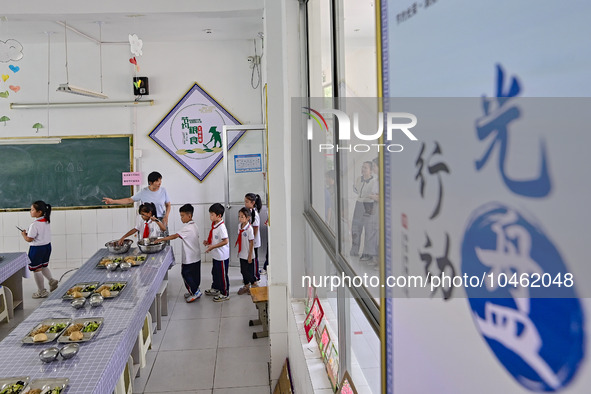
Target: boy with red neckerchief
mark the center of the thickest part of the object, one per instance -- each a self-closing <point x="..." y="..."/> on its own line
<point x="217" y="244"/>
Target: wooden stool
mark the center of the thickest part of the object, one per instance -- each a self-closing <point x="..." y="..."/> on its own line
<point x="260" y="297"/>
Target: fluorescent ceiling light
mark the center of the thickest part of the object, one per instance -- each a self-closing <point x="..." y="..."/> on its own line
<point x="30" y="141"/>
<point x="140" y="103"/>
<point x="67" y="88"/>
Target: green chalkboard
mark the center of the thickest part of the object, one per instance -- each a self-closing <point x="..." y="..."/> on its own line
<point x="77" y="172"/>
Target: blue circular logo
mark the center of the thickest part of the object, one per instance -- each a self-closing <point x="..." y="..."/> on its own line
<point x="535" y="327"/>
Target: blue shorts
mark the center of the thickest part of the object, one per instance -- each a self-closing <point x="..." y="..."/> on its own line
<point x="39" y="256"/>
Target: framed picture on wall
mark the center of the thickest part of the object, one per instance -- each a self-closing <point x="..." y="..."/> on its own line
<point x="313" y="319"/>
<point x="332" y="366"/>
<point x="323" y="339"/>
<point x="347" y="386"/>
<point x="311" y="294"/>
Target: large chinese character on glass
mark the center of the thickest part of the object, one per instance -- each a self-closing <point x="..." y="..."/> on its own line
<point x="494" y="126"/>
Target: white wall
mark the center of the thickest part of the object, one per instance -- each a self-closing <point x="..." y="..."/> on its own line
<point x="220" y="68"/>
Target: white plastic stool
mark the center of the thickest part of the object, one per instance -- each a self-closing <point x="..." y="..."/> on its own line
<point x="161" y="303"/>
<point x="125" y="382"/>
<point x="145" y="339"/>
<point x="3" y="305"/>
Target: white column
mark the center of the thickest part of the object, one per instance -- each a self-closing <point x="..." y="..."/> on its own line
<point x="283" y="70"/>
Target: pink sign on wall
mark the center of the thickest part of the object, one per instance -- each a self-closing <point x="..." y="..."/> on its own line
<point x="131" y="178"/>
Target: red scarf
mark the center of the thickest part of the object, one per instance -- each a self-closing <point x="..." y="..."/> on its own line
<point x="213" y="226"/>
<point x="42" y="220"/>
<point x="239" y="240"/>
<point x="146" y="231"/>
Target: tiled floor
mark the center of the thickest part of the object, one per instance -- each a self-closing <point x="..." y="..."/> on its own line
<point x="204" y="347"/>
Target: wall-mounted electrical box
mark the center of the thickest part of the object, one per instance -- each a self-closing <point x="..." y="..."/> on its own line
<point x="140" y="86"/>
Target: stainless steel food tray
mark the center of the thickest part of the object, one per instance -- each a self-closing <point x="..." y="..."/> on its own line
<point x="51" y="382"/>
<point x="85" y="294"/>
<point x="28" y="339"/>
<point x="13" y="380"/>
<point x="114" y="293"/>
<point x="87" y="335"/>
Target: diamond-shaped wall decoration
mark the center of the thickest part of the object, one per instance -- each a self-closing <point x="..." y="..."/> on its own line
<point x="191" y="132"/>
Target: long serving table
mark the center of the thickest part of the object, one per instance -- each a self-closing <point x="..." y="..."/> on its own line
<point x="99" y="363"/>
<point x="13" y="268"/>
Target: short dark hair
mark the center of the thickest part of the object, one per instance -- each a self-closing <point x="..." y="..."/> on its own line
<point x="147" y="207"/>
<point x="154" y="176"/>
<point x="217" y="208"/>
<point x="187" y="208"/>
<point x="245" y="212"/>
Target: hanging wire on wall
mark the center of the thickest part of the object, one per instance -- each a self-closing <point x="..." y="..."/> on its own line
<point x="48" y="74"/>
<point x="101" y="52"/>
<point x="256" y="67"/>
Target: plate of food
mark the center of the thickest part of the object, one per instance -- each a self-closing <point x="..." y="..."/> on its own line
<point x="111" y="289"/>
<point x="46" y="331"/>
<point x="105" y="261"/>
<point x="13" y="385"/>
<point x="47" y="386"/>
<point x="135" y="261"/>
<point x="82" y="330"/>
<point x="82" y="289"/>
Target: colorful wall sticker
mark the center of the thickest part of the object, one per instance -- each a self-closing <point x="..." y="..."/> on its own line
<point x="10" y="51"/>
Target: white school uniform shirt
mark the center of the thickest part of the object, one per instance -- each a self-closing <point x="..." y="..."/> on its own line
<point x="257" y="223"/>
<point x="191" y="250"/>
<point x="247" y="236"/>
<point x="220" y="232"/>
<point x="153" y="226"/>
<point x="40" y="231"/>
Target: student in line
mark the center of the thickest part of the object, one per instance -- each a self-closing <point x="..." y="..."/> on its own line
<point x="217" y="244"/>
<point x="245" y="243"/>
<point x="39" y="237"/>
<point x="148" y="225"/>
<point x="254" y="204"/>
<point x="191" y="252"/>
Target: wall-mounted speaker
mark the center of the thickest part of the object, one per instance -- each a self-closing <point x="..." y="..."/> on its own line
<point x="140" y="86"/>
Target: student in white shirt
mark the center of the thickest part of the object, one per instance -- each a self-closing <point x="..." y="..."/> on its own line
<point x="245" y="243"/>
<point x="148" y="225"/>
<point x="191" y="252"/>
<point x="217" y="244"/>
<point x="39" y="236"/>
<point x="254" y="204"/>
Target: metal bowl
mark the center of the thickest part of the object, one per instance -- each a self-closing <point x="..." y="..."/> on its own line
<point x="69" y="351"/>
<point x="112" y="266"/>
<point x="114" y="246"/>
<point x="48" y="355"/>
<point x="146" y="246"/>
<point x="124" y="266"/>
<point x="78" y="303"/>
<point x="96" y="300"/>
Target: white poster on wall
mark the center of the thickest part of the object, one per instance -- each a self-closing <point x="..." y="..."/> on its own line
<point x="493" y="194"/>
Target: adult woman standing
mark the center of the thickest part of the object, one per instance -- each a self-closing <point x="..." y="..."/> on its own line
<point x="153" y="193"/>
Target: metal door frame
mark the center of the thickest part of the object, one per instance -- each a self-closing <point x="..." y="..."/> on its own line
<point x="225" y="129"/>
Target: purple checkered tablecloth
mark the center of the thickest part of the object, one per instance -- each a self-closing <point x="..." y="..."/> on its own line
<point x="11" y="263"/>
<point x="99" y="363"/>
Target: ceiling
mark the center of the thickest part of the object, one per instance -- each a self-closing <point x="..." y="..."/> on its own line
<point x="185" y="22"/>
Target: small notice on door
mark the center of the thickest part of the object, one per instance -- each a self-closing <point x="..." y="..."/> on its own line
<point x="132" y="178"/>
<point x="248" y="163"/>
